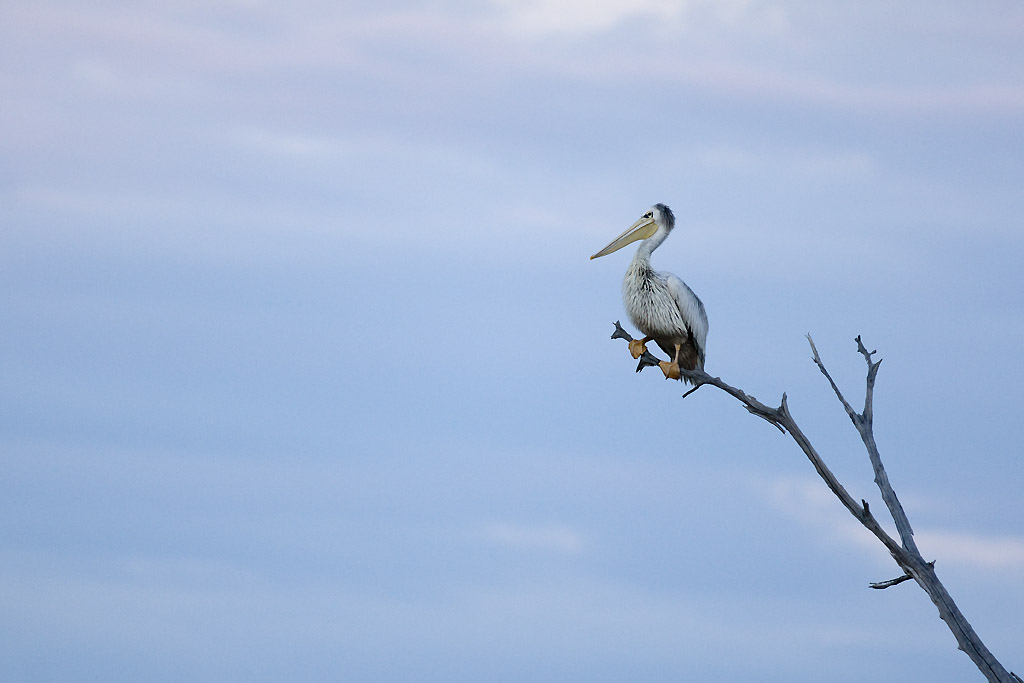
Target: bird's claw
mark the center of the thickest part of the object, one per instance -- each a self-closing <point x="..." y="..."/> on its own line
<point x="637" y="348"/>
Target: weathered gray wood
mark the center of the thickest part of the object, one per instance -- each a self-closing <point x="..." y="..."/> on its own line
<point x="904" y="551"/>
<point x="863" y="423"/>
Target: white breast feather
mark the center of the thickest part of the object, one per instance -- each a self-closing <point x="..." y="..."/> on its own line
<point x="663" y="306"/>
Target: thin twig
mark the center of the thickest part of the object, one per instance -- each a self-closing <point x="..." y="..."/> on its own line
<point x="692" y="390"/>
<point x="891" y="582"/>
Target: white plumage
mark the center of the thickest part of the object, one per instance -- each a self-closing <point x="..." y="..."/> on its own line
<point x="660" y="304"/>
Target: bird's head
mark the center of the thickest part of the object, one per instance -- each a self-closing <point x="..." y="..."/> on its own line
<point x="659" y="218"/>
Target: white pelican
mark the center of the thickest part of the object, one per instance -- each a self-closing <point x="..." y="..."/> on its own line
<point x="661" y="305"/>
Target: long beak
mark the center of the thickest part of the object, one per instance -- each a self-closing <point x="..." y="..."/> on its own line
<point x="640" y="230"/>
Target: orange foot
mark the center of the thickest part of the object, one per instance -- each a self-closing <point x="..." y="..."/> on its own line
<point x="637" y="348"/>
<point x="671" y="370"/>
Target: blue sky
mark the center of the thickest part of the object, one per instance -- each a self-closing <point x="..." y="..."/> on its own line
<point x="306" y="373"/>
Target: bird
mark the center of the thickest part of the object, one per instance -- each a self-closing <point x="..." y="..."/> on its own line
<point x="661" y="305"/>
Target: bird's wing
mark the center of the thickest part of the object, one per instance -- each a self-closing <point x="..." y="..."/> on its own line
<point x="692" y="310"/>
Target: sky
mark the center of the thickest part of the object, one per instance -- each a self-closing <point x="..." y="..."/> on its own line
<point x="305" y="373"/>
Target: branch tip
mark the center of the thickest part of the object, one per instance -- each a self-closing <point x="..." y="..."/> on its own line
<point x="814" y="350"/>
<point x="695" y="388"/>
<point x="620" y="333"/>
<point x="881" y="585"/>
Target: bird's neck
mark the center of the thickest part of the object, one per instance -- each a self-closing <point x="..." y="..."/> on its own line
<point x="642" y="258"/>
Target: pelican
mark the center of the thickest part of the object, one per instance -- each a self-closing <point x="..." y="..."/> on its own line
<point x="661" y="305"/>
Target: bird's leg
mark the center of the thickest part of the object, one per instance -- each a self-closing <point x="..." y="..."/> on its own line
<point x="638" y="347"/>
<point x="671" y="370"/>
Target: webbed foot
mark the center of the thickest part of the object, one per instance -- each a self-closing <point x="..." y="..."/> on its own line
<point x="671" y="370"/>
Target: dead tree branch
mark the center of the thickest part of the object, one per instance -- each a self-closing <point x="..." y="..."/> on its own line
<point x="904" y="551"/>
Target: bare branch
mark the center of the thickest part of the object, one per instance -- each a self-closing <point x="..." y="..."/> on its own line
<point x="821" y="366"/>
<point x="904" y="552"/>
<point x="862" y="421"/>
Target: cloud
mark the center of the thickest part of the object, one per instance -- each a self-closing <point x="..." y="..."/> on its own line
<point x="96" y="74"/>
<point x="809" y="502"/>
<point x="746" y="48"/>
<point x="555" y="538"/>
<point x="973" y="550"/>
<point x="749" y="49"/>
<point x="757" y="81"/>
<point x="814" y="164"/>
<point x="289" y="144"/>
<point x="543" y="18"/>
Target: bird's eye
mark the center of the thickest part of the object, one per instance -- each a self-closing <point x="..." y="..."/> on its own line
<point x="649" y="214"/>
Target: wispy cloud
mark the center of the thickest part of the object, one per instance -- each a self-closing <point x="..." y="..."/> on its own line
<point x="973" y="550"/>
<point x="830" y="164"/>
<point x="541" y="18"/>
<point x="810" y="503"/>
<point x="545" y="17"/>
<point x="291" y="144"/>
<point x="736" y="48"/>
<point x="558" y="538"/>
